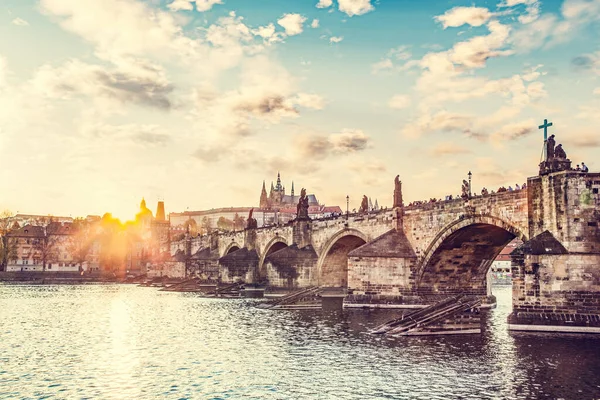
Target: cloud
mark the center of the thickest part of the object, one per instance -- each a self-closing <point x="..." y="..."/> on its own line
<point x="584" y="140"/>
<point x="308" y="100"/>
<point x="444" y="121"/>
<point x="355" y="7"/>
<point x="550" y="29"/>
<point x="268" y="105"/>
<point x="399" y="102"/>
<point x="336" y="39"/>
<point x="349" y="141"/>
<point x="447" y="75"/>
<point x="312" y="146"/>
<point x="20" y="22"/>
<point x="138" y="82"/>
<point x="382" y="65"/>
<point x="201" y="5"/>
<point x="265" y="95"/>
<point x="292" y="23"/>
<point x="581" y="9"/>
<point x="448" y="148"/>
<point x="532" y="10"/>
<point x="474" y="52"/>
<point x="117" y="27"/>
<point x="587" y="62"/>
<point x="534" y="35"/>
<point x="320" y="147"/>
<point x="324" y="3"/>
<point x="400" y="53"/>
<point x="458" y="16"/>
<point x="513" y="131"/>
<point x="596" y="91"/>
<point x="268" y="34"/>
<point x="140" y="134"/>
<point x="314" y="24"/>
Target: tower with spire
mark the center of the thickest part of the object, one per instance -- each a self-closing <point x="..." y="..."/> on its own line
<point x="264" y="200"/>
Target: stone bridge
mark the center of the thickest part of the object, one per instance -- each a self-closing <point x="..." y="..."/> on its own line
<point x="419" y="253"/>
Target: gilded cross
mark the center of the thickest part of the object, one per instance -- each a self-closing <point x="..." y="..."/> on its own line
<point x="545" y="127"/>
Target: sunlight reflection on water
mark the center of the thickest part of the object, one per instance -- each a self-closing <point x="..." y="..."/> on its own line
<point x="117" y="341"/>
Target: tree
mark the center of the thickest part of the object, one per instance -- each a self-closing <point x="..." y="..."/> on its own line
<point x="192" y="226"/>
<point x="80" y="242"/>
<point x="224" y="224"/>
<point x="206" y="225"/>
<point x="8" y="248"/>
<point x="239" y="223"/>
<point x="45" y="245"/>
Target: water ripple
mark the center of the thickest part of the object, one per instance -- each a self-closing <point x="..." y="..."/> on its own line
<point x="116" y="341"/>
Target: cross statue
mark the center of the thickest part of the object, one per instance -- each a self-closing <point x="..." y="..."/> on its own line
<point x="545" y="127"/>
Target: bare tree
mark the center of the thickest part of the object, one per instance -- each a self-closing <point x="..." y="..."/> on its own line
<point x="239" y="223"/>
<point x="45" y="245"/>
<point x="224" y="224"/>
<point x="80" y="242"/>
<point x="8" y="248"/>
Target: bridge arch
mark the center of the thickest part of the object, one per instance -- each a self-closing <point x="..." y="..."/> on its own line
<point x="231" y="247"/>
<point x="275" y="244"/>
<point x="460" y="255"/>
<point x="332" y="266"/>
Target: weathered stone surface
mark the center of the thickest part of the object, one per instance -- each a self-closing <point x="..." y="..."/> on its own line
<point x="240" y="265"/>
<point x="291" y="267"/>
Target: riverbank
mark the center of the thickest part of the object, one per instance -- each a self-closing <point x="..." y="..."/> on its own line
<point x="48" y="277"/>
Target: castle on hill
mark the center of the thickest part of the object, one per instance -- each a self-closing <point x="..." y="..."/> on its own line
<point x="277" y="199"/>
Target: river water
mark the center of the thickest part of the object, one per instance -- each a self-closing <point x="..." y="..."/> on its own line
<point x="127" y="342"/>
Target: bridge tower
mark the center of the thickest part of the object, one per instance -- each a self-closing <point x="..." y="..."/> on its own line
<point x="556" y="274"/>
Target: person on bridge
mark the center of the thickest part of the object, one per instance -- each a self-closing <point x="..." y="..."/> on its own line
<point x="584" y="167"/>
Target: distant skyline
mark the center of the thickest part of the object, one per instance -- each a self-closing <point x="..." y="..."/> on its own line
<point x="196" y="102"/>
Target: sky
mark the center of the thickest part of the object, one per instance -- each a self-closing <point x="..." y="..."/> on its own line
<point x="106" y="102"/>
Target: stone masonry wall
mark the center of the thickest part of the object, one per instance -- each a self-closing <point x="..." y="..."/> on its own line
<point x="556" y="284"/>
<point x="387" y="276"/>
<point x="278" y="280"/>
<point x="567" y="204"/>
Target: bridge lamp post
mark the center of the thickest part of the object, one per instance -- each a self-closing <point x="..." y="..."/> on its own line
<point x="347" y="206"/>
<point x="470" y="193"/>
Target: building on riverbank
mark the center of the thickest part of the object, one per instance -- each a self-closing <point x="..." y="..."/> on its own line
<point x="40" y="248"/>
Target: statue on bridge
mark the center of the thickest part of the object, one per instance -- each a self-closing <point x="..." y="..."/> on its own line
<point x="465" y="190"/>
<point x="560" y="153"/>
<point x="302" y="207"/>
<point x="364" y="205"/>
<point x="555" y="158"/>
<point x="397" y="192"/>
<point x="550" y="143"/>
<point x="251" y="222"/>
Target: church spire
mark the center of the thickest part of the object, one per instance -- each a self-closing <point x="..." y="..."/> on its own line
<point x="278" y="186"/>
<point x="292" y="190"/>
<point x="263" y="197"/>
